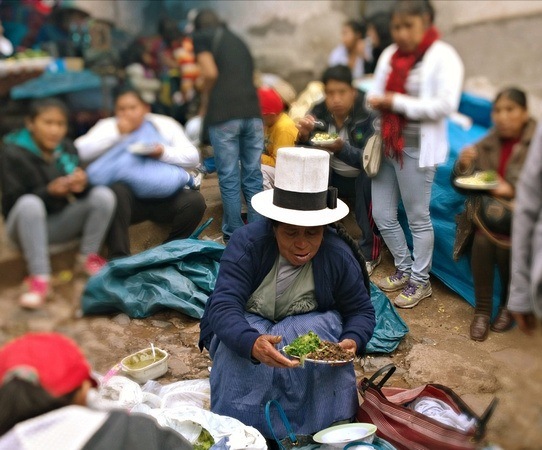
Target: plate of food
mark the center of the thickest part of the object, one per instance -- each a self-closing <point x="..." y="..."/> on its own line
<point x="324" y="138"/>
<point x="310" y="348"/>
<point x="141" y="149"/>
<point x="483" y="180"/>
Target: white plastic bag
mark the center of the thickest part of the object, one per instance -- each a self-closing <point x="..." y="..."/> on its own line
<point x="183" y="419"/>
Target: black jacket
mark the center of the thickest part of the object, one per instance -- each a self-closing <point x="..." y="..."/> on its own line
<point x="135" y="432"/>
<point x="360" y="128"/>
<point x="23" y="172"/>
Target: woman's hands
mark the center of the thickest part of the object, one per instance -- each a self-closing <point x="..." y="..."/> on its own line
<point x="466" y="158"/>
<point x="264" y="350"/>
<point x="504" y="190"/>
<point x="383" y="103"/>
<point x="75" y="183"/>
<point x="157" y="152"/>
<point x="349" y="345"/>
<point x="59" y="187"/>
<point x="78" y="181"/>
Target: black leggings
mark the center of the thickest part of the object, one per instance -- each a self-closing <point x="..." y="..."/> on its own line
<point x="485" y="255"/>
<point x="184" y="210"/>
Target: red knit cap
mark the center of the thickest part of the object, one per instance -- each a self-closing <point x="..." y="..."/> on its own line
<point x="270" y="101"/>
<point x="56" y="362"/>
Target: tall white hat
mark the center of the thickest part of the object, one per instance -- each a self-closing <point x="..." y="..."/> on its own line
<point x="301" y="195"/>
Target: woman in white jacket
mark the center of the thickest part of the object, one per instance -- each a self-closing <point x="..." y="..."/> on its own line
<point x="141" y="197"/>
<point x="417" y="84"/>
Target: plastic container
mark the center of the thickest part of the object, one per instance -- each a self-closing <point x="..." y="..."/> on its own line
<point x="142" y="366"/>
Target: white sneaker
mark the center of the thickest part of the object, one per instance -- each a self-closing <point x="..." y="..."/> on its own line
<point x="413" y="294"/>
<point x="371" y="265"/>
<point x="196" y="181"/>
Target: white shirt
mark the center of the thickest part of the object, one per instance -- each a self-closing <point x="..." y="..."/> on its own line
<point x="339" y="55"/>
<point x="178" y="150"/>
<point x="441" y="81"/>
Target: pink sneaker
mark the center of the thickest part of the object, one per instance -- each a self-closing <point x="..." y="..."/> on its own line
<point x="93" y="264"/>
<point x="37" y="291"/>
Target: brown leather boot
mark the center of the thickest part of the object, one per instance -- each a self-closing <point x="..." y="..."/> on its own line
<point x="479" y="327"/>
<point x="503" y="322"/>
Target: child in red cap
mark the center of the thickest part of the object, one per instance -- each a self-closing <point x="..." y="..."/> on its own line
<point x="279" y="131"/>
<point x="44" y="381"/>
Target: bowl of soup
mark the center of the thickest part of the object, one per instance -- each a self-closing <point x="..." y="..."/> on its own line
<point x="145" y="365"/>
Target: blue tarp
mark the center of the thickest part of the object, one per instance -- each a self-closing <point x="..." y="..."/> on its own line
<point x="181" y="275"/>
<point x="50" y="84"/>
<point x="178" y="275"/>
<point x="446" y="202"/>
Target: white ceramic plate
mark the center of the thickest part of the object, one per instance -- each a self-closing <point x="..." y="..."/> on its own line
<point x="340" y="435"/>
<point x="141" y="149"/>
<point x="474" y="184"/>
<point x="316" y="361"/>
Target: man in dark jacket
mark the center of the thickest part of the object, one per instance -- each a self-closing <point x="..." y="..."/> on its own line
<point x="232" y="113"/>
<point x="343" y="112"/>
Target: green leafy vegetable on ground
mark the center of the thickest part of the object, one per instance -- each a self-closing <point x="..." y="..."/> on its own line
<point x="303" y="345"/>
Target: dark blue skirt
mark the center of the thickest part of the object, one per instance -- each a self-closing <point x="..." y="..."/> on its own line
<point x="313" y="397"/>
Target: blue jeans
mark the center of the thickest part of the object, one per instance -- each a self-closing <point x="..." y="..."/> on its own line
<point x="238" y="146"/>
<point x="412" y="184"/>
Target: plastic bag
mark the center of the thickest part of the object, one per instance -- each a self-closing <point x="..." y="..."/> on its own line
<point x="389" y="329"/>
<point x="182" y="393"/>
<point x="182" y="406"/>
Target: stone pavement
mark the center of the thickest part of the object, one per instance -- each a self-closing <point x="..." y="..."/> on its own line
<point x="437" y="349"/>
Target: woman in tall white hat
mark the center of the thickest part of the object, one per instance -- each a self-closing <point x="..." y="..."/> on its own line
<point x="280" y="278"/>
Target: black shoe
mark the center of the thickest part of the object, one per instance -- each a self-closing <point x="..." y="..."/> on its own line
<point x="479" y="328"/>
<point x="503" y="322"/>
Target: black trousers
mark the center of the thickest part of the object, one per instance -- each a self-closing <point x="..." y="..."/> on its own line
<point x="485" y="256"/>
<point x="184" y="210"/>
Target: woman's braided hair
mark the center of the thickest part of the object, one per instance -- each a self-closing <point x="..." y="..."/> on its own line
<point x="345" y="236"/>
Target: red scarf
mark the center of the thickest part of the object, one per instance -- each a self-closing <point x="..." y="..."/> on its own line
<point x="392" y="123"/>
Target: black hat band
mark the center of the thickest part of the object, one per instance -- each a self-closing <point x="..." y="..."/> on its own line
<point x="305" y="201"/>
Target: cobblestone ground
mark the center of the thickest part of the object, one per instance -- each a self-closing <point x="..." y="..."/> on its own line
<point x="437" y="349"/>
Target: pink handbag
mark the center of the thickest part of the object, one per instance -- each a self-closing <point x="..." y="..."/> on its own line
<point x="410" y="430"/>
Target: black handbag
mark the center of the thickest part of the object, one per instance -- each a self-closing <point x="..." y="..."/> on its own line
<point x="493" y="216"/>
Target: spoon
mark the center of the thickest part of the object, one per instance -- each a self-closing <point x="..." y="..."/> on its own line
<point x="319" y="124"/>
<point x="153" y="351"/>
